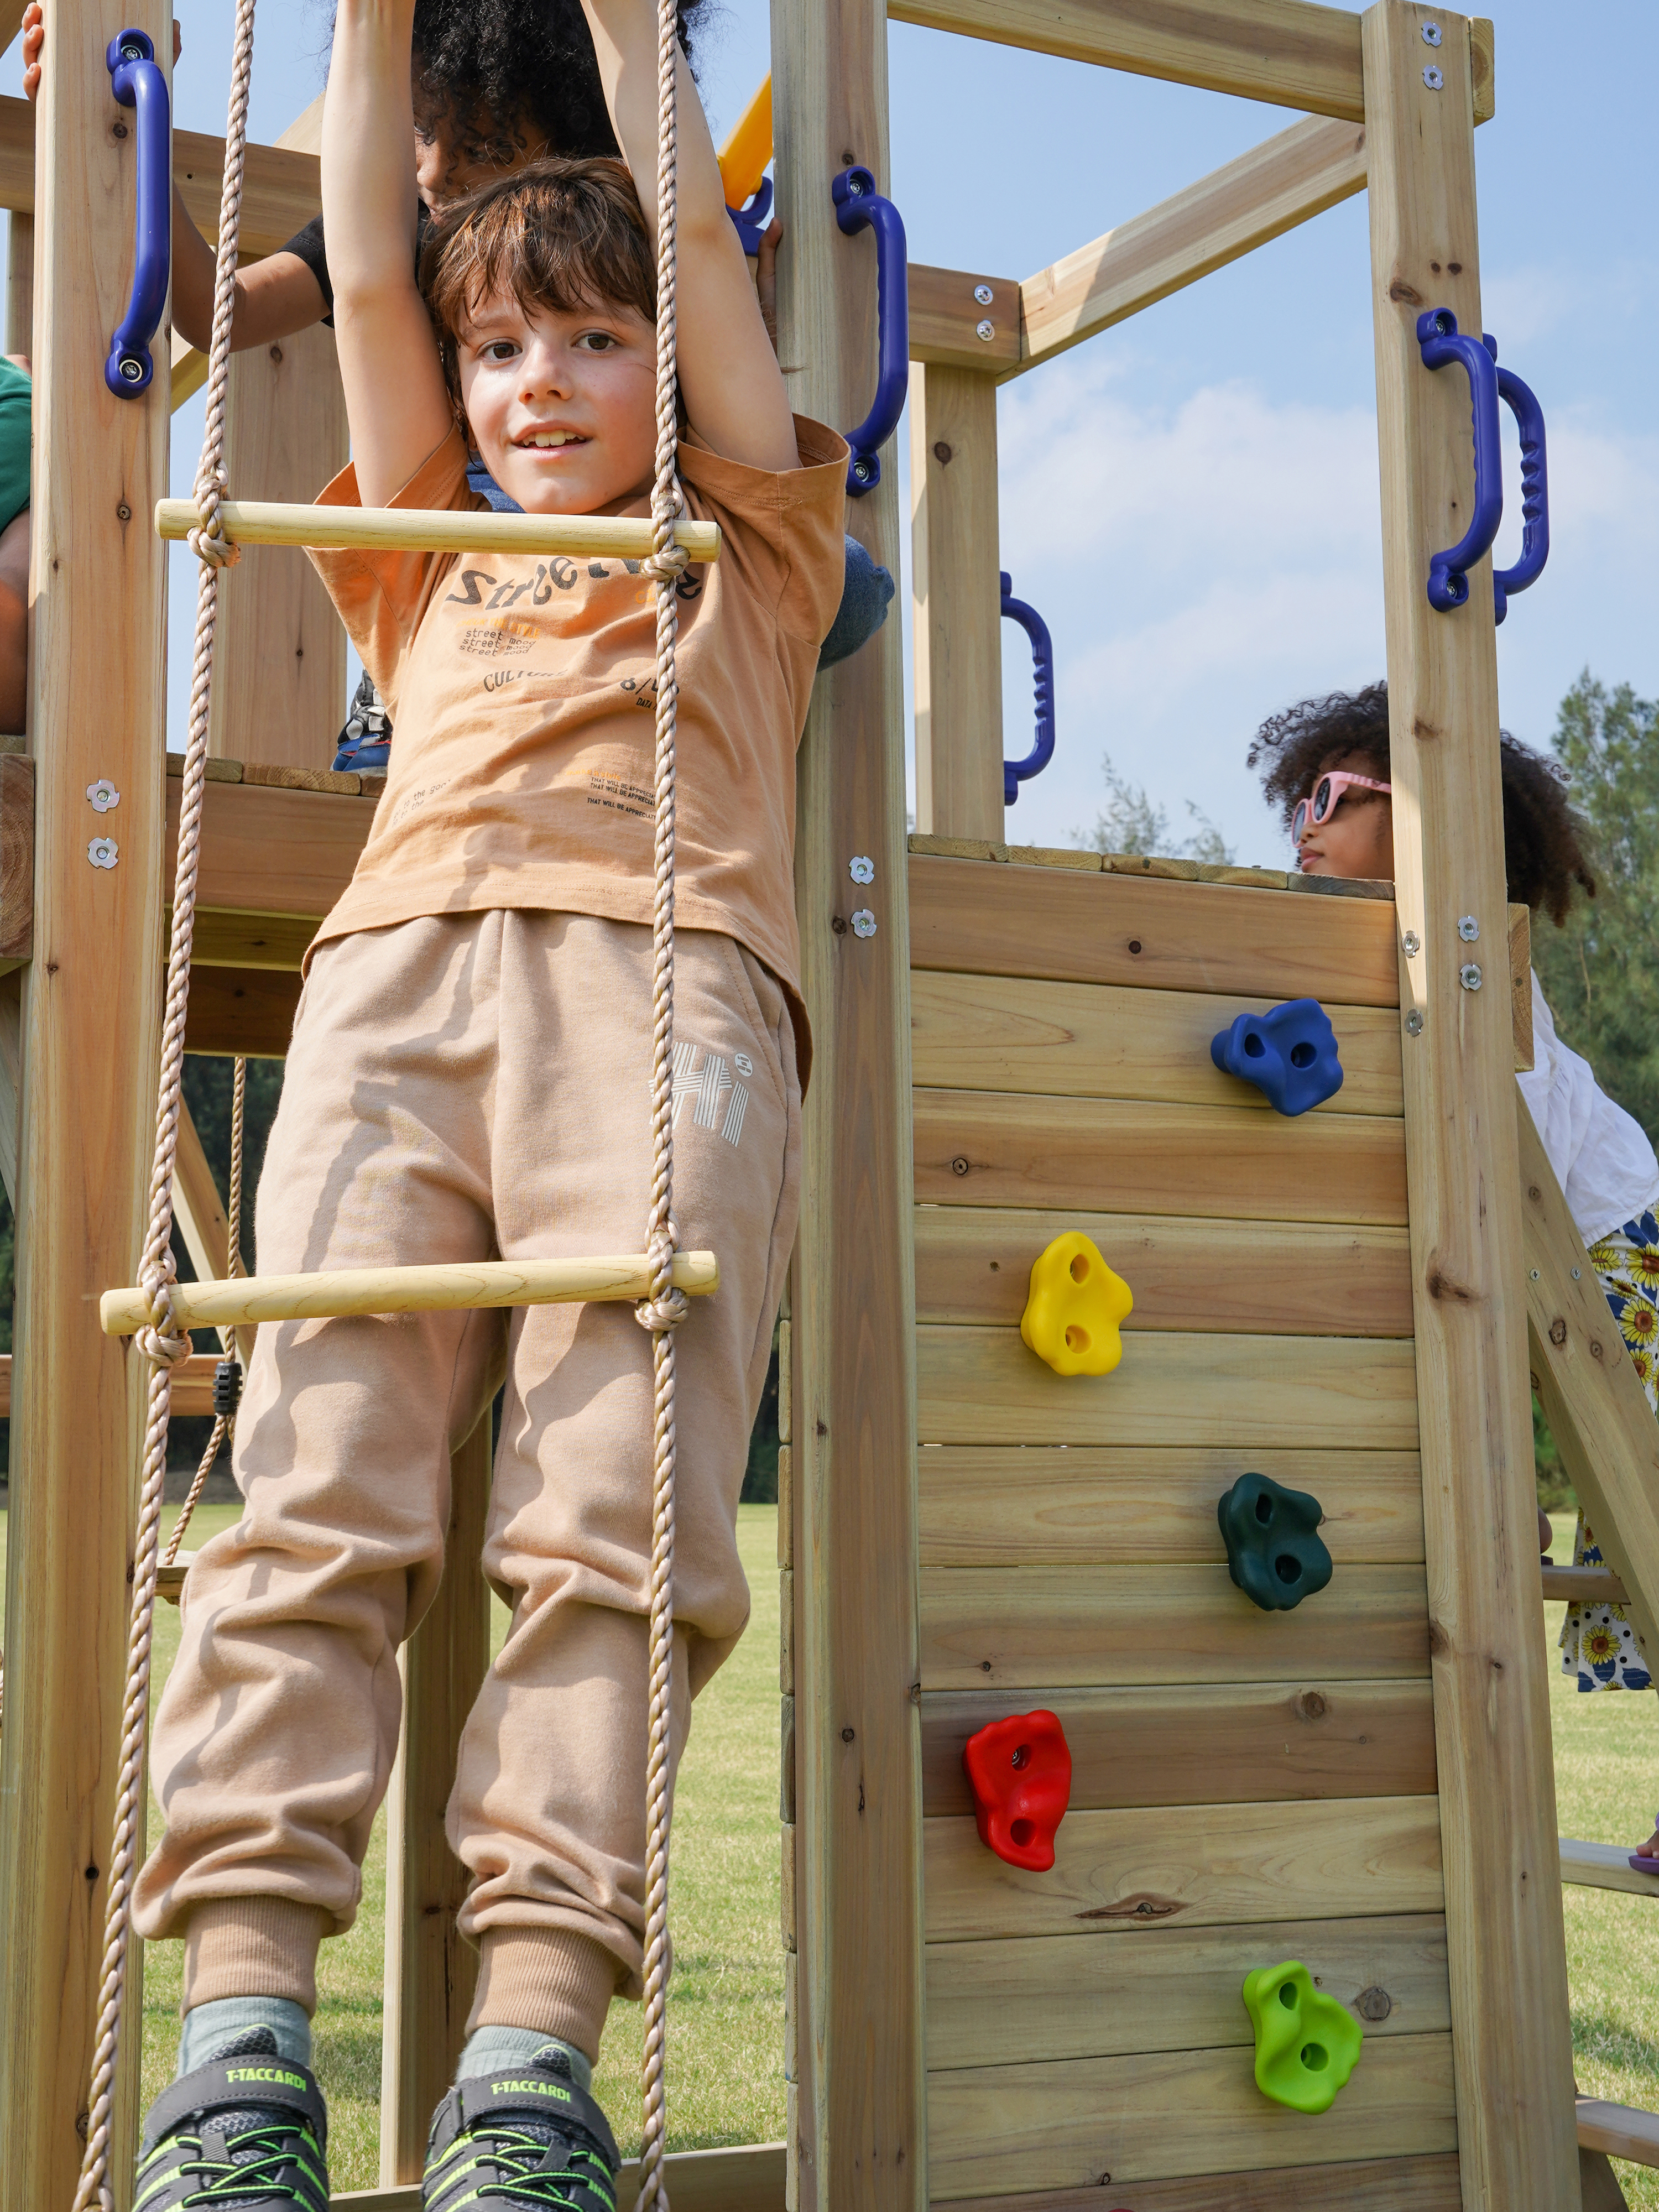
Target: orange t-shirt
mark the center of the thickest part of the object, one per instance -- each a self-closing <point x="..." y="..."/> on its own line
<point x="522" y="694"/>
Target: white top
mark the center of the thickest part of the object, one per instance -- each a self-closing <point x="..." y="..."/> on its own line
<point x="1601" y="1157"/>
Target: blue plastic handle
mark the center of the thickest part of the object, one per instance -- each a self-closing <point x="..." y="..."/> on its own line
<point x="138" y="82"/>
<point x="860" y="206"/>
<point x="751" y="218"/>
<point x="1438" y="336"/>
<point x="1014" y="773"/>
<point x="1523" y="404"/>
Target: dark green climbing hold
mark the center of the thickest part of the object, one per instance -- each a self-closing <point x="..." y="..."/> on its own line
<point x="1274" y="1551"/>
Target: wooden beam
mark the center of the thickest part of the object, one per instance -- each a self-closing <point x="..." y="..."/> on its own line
<point x="859" y="2136"/>
<point x="241" y="1014"/>
<point x="747" y="2179"/>
<point x="1383" y="2184"/>
<point x="1287" y="52"/>
<point x="16" y="860"/>
<point x="952" y="327"/>
<point x="90" y="1031"/>
<point x="1618" y="2130"/>
<point x="1521" y="986"/>
<point x="273" y="852"/>
<point x="192" y="1384"/>
<point x="958" y="602"/>
<point x="202" y="1222"/>
<point x="1604" y="1866"/>
<point x="1504" y="1920"/>
<point x="1595" y="1585"/>
<point x="20" y="284"/>
<point x="11" y="1080"/>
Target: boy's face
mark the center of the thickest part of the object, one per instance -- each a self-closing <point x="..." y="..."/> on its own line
<point x="562" y="407"/>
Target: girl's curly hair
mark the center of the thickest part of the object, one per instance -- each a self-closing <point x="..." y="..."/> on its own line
<point x="1544" y="854"/>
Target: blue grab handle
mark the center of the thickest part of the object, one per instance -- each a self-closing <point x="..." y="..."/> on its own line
<point x="138" y="82"/>
<point x="860" y="206"/>
<point x="1438" y="336"/>
<point x="1523" y="404"/>
<point x="751" y="220"/>
<point x="1014" y="773"/>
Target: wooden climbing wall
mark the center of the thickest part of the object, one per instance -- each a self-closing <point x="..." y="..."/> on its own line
<point x="1248" y="1787"/>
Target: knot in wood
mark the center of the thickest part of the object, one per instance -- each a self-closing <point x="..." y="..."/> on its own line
<point x="1374" y="2003"/>
<point x="1310" y="1706"/>
<point x="1558" y="1331"/>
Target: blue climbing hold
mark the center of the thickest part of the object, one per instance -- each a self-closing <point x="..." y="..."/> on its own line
<point x="1288" y="1055"/>
<point x="1275" y="1554"/>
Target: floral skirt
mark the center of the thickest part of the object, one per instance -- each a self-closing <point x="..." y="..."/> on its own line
<point x="1599" y="1647"/>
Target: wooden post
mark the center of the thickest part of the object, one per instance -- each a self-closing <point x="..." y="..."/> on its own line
<point x="90" y="1025"/>
<point x="280" y="695"/>
<point x="958" y="604"/>
<point x="20" y="285"/>
<point x="859" y="2142"/>
<point x="430" y="1971"/>
<point x="1508" y="1981"/>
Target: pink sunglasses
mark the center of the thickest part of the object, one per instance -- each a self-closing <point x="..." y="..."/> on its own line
<point x="1322" y="804"/>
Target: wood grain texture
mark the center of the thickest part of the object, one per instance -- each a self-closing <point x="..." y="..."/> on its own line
<point x="1130" y="1874"/>
<point x="1287" y="52"/>
<point x="1270" y="1278"/>
<point x="957" y="603"/>
<point x="1009" y="1505"/>
<point x="273" y="852"/>
<point x="202" y="1222"/>
<point x="1063" y="2125"/>
<point x="281" y="189"/>
<point x="250" y="940"/>
<point x="1043" y="1628"/>
<point x="946" y="319"/>
<point x="1483" y="67"/>
<point x="430" y="1970"/>
<point x="858" y="2144"/>
<point x="1382" y="2184"/>
<point x="1605" y="1866"/>
<point x="19" y="283"/>
<point x="1080" y="928"/>
<point x="1599" y="1585"/>
<point x="1045" y="1997"/>
<point x="1506" y="1944"/>
<point x="89" y="1030"/>
<point x="1598" y="2183"/>
<point x="1224" y="1743"/>
<point x="1115" y="1156"/>
<point x="443" y="530"/>
<point x="16" y="858"/>
<point x="1520" y="986"/>
<point x="11" y="1082"/>
<point x="236" y="1011"/>
<point x="1290" y="179"/>
<point x="192" y="1384"/>
<point x="1102" y="1041"/>
<point x="1618" y="2130"/>
<point x="982" y="1386"/>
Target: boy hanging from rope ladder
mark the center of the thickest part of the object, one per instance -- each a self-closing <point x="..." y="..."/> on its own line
<point x="471" y="1076"/>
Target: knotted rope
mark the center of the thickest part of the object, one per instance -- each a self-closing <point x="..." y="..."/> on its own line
<point x="224" y="1425"/>
<point x="163" y="1343"/>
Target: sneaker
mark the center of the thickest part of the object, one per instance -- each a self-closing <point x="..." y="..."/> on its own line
<point x="529" y="2138"/>
<point x="247" y="2132"/>
<point x="366" y="741"/>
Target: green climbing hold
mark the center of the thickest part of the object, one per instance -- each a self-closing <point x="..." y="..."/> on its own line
<point x="1275" y="1553"/>
<point x="1306" y="2045"/>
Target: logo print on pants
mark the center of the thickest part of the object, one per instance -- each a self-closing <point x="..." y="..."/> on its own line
<point x="707" y="1084"/>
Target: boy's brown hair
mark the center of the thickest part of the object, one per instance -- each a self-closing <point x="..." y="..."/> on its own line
<point x="560" y="233"/>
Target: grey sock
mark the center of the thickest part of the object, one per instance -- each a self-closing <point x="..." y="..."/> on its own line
<point x="209" y="2026"/>
<point x="494" y="2050"/>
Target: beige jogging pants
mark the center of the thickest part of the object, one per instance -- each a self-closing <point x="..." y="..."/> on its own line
<point x="460" y="1086"/>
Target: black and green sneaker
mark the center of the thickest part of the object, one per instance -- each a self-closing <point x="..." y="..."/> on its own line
<point x="527" y="2138"/>
<point x="248" y="2132"/>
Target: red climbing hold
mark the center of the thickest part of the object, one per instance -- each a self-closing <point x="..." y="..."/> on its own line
<point x="1020" y="1772"/>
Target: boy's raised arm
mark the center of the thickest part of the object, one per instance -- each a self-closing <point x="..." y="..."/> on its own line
<point x="733" y="389"/>
<point x="395" y="398"/>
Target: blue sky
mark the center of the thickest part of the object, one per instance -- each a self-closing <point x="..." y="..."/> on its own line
<point x="1191" y="498"/>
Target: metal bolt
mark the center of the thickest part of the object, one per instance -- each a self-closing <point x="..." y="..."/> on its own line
<point x="1413" y="1023"/>
<point x="1535" y="1274"/>
<point x="1431" y="34"/>
<point x="1575" y="1274"/>
<point x="1468" y="928"/>
<point x="103" y="852"/>
<point x="1433" y="77"/>
<point x="103" y="795"/>
<point x="984" y="295"/>
<point x="864" y="923"/>
<point x="1469" y="976"/>
<point x="985" y="331"/>
<point x="132" y="372"/>
<point x="862" y="869"/>
<point x="124" y="513"/>
<point x="1413" y="943"/>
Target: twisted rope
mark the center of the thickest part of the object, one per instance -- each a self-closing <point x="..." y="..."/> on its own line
<point x="164" y="1343"/>
<point x="664" y="1310"/>
<point x="224" y="1425"/>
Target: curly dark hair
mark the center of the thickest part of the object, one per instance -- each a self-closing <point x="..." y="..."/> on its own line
<point x="1544" y="854"/>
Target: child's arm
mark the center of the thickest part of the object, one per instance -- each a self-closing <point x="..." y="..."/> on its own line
<point x="275" y="296"/>
<point x="396" y="399"/>
<point x="734" y="390"/>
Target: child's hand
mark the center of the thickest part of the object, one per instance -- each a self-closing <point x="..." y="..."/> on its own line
<point x="766" y="278"/>
<point x="34" y="37"/>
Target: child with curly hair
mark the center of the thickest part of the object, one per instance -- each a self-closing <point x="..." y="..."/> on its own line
<point x="1324" y="766"/>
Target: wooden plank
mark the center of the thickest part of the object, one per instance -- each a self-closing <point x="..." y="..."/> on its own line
<point x="234" y="1011"/>
<point x="1507" y="1947"/>
<point x="1095" y="928"/>
<point x="1044" y="1628"/>
<point x="1171" y="2113"/>
<point x="1294" y="177"/>
<point x="20" y="284"/>
<point x="11" y="1080"/>
<point x="1270" y="1278"/>
<point x="430" y="1969"/>
<point x="947" y="317"/>
<point x="90" y="1025"/>
<point x="1045" y="1997"/>
<point x="273" y="852"/>
<point x="202" y="1219"/>
<point x="1483" y="67"/>
<point x="1382" y="2184"/>
<point x="1521" y="986"/>
<point x="1104" y="1041"/>
<point x="1618" y="2130"/>
<point x="16" y="860"/>
<point x="981" y="1386"/>
<point x="1288" y="52"/>
<point x="1227" y="1163"/>
<point x="957" y="602"/>
<point x="192" y="1384"/>
<point x="1605" y="1866"/>
<point x="1599" y="1585"/>
<point x="858" y="2142"/>
<point x="1200" y="1866"/>
<point x="228" y="939"/>
<point x="982" y="1505"/>
<point x="747" y="2177"/>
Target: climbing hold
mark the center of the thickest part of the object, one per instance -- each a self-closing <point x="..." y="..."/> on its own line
<point x="1306" y="2045"/>
<point x="1288" y="1055"/>
<point x="1274" y="1551"/>
<point x="1076" y="1301"/>
<point x="1020" y="1772"/>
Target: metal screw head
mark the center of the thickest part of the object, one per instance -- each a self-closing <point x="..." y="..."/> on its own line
<point x="985" y="330"/>
<point x="864" y="923"/>
<point x="1413" y="1023"/>
<point x="1535" y="1274"/>
<point x="1433" y="77"/>
<point x="1413" y="943"/>
<point x="861" y="868"/>
<point x="1467" y="928"/>
<point x="863" y="471"/>
<point x="103" y="795"/>
<point x="1469" y="976"/>
<point x="984" y="295"/>
<point x="132" y="372"/>
<point x="103" y="852"/>
<point x="1431" y="34"/>
<point x="1577" y="1273"/>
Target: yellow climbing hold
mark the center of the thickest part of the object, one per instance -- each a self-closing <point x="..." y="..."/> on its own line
<point x="1076" y="1303"/>
<point x="1306" y="2043"/>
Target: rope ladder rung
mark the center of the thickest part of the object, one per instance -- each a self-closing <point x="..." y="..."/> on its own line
<point x="436" y="530"/>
